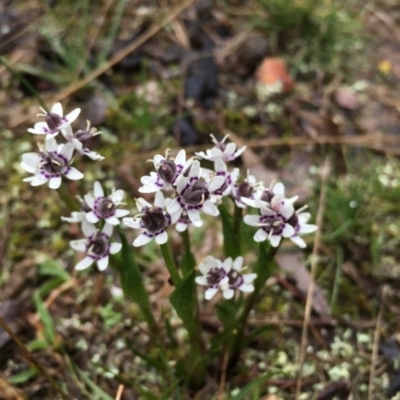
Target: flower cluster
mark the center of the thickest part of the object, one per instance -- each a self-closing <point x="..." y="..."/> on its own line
<point x="53" y="161"/>
<point x="226" y="276"/>
<point x="183" y="192"/>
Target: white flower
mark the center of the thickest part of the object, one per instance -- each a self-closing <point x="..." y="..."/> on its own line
<point x="183" y="222"/>
<point x="97" y="247"/>
<point x="80" y="139"/>
<point x="221" y="169"/>
<point x="195" y="194"/>
<point x="299" y="221"/>
<point x="153" y="219"/>
<point x="272" y="197"/>
<point x="54" y="121"/>
<point x="245" y="190"/>
<point x="168" y="172"/>
<point x="225" y="152"/>
<point x="225" y="275"/>
<point x="102" y="207"/>
<point x="79" y="216"/>
<point x="273" y="225"/>
<point x="50" y="164"/>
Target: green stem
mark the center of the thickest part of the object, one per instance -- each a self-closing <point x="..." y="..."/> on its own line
<point x="264" y="271"/>
<point x="66" y="197"/>
<point x="170" y="263"/>
<point x="237" y="220"/>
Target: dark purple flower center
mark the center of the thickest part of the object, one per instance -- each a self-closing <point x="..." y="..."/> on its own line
<point x="98" y="245"/>
<point x="197" y="193"/>
<point x="245" y="189"/>
<point x="153" y="219"/>
<point x="167" y="171"/>
<point x="221" y="146"/>
<point x="52" y="163"/>
<point x="293" y="220"/>
<point x="267" y="195"/>
<point x="53" y="121"/>
<point x="273" y="223"/>
<point x="105" y="207"/>
<point x="235" y="278"/>
<point x="215" y="275"/>
<point x="83" y="135"/>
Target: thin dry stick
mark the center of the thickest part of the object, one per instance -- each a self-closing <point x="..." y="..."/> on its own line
<point x="119" y="392"/>
<point x="311" y="287"/>
<point x="28" y="355"/>
<point x="118" y="57"/>
<point x="375" y="348"/>
<point x="223" y="372"/>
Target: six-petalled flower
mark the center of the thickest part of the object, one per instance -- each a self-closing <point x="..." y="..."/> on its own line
<point x="104" y="207"/>
<point x="50" y="164"/>
<point x="97" y="247"/>
<point x="54" y="121"/>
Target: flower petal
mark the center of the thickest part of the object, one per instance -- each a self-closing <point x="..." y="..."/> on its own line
<point x="85" y="263"/>
<point x="102" y="264"/>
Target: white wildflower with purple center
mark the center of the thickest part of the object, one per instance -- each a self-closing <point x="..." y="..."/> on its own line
<point x="105" y="207"/>
<point x="225" y="152"/>
<point x="54" y="121"/>
<point x="226" y="276"/>
<point x="299" y="221"/>
<point x="153" y="219"/>
<point x="272" y="197"/>
<point x="272" y="225"/>
<point x="79" y="216"/>
<point x="231" y="177"/>
<point x="245" y="190"/>
<point x="80" y="140"/>
<point x="168" y="172"/>
<point x="97" y="247"/>
<point x="195" y="194"/>
<point x="50" y="164"/>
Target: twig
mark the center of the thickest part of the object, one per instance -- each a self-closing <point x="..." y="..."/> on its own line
<point x="119" y="392"/>
<point x="311" y="287"/>
<point x="29" y="356"/>
<point x="375" y="348"/>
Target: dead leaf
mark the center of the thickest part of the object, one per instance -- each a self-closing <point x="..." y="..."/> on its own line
<point x="294" y="265"/>
<point x="273" y="71"/>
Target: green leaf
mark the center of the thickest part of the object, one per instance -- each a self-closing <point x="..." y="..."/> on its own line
<point x="183" y="300"/>
<point x="232" y="246"/>
<point x="37" y="344"/>
<point x="98" y="392"/>
<point x="45" y="317"/>
<point x="226" y="312"/>
<point x="23" y="376"/>
<point x="48" y="286"/>
<point x="264" y="265"/>
<point x="251" y="387"/>
<point x="50" y="267"/>
<point x="132" y="281"/>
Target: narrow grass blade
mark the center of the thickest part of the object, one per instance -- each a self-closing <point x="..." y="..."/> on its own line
<point x="132" y="282"/>
<point x="232" y="246"/>
<point x="45" y="317"/>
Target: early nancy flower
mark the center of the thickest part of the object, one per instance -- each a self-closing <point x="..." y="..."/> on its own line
<point x="152" y="219"/>
<point x="273" y="225"/>
<point x="80" y="140"/>
<point x="226" y="276"/>
<point x="50" y="164"/>
<point x="168" y="172"/>
<point x="299" y="221"/>
<point x="97" y="247"/>
<point x="225" y="152"/>
<point x="104" y="207"/>
<point x="194" y="194"/>
<point x="79" y="216"/>
<point x="54" y="121"/>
